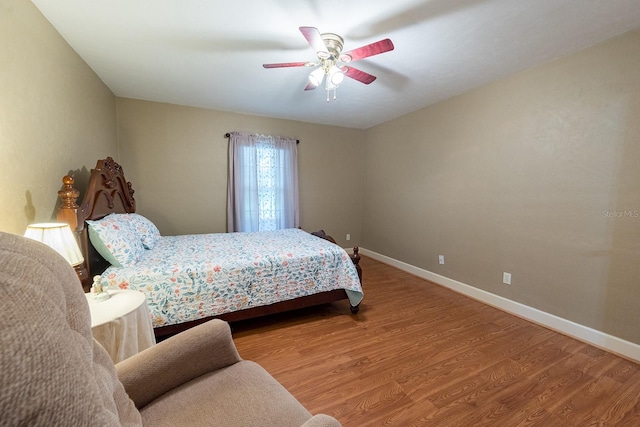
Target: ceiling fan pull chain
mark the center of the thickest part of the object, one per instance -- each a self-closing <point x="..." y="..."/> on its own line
<point x="335" y="96"/>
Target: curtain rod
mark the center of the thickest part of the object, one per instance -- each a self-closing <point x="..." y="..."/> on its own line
<point x="227" y="135"/>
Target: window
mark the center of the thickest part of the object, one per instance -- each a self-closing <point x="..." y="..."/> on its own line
<point x="270" y="163"/>
<point x="263" y="183"/>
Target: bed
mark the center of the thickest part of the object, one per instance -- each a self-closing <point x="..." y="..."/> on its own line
<point x="190" y="279"/>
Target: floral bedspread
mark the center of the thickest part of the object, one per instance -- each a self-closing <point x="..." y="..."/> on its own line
<point x="189" y="277"/>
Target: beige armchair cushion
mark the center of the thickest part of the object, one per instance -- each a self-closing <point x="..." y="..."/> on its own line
<point x="177" y="360"/>
<point x="53" y="372"/>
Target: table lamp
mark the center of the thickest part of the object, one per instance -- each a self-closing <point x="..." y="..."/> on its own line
<point x="58" y="236"/>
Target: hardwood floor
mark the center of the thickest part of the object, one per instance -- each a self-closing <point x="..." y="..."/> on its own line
<point x="419" y="354"/>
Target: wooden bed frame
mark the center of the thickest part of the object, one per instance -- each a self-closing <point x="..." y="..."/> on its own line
<point x="109" y="192"/>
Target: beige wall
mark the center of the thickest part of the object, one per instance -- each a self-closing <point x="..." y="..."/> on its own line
<point x="176" y="159"/>
<point x="56" y="116"/>
<point x="537" y="175"/>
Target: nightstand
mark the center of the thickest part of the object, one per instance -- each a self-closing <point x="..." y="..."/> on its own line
<point x="122" y="324"/>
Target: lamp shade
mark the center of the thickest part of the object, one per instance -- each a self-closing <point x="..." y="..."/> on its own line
<point x="59" y="237"/>
<point x="316" y="76"/>
<point x="336" y="75"/>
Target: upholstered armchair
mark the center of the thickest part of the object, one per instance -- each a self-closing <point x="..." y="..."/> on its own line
<point x="55" y="373"/>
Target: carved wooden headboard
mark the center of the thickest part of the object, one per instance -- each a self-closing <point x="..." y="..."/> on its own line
<point x="108" y="192"/>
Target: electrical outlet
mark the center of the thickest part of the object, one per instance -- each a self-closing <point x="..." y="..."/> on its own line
<point x="348" y="236"/>
<point x="440" y="259"/>
<point x="506" y="278"/>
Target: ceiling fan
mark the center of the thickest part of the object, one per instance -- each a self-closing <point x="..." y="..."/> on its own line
<point x="328" y="48"/>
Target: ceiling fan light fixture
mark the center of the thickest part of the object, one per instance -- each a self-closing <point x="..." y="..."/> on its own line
<point x="316" y="76"/>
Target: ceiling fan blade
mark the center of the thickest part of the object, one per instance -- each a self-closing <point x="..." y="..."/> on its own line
<point x="310" y="86"/>
<point x="376" y="48"/>
<point x="288" y="64"/>
<point x="358" y="75"/>
<point x="315" y="40"/>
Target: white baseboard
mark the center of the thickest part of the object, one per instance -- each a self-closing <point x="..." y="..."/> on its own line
<point x="583" y="333"/>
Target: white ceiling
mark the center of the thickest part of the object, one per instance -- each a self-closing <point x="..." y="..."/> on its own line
<point x="209" y="53"/>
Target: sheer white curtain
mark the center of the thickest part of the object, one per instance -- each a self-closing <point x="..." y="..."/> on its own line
<point x="262" y="190"/>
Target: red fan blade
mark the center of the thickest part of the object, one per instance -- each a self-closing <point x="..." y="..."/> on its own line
<point x="286" y="64"/>
<point x="376" y="48"/>
<point x="358" y="75"/>
<point x="315" y="40"/>
<point x="310" y="86"/>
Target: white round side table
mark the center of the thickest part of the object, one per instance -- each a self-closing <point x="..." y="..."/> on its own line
<point x="121" y="324"/>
